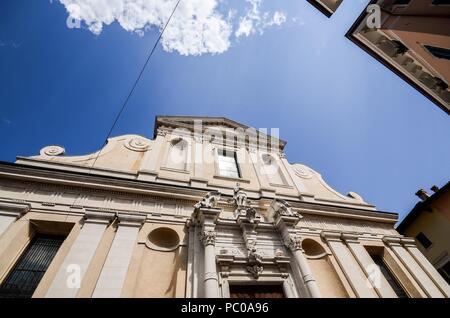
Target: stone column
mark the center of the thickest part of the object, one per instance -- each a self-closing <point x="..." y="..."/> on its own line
<point x="10" y="212"/>
<point x="410" y="245"/>
<point x="295" y="245"/>
<point x="207" y="218"/>
<point x="364" y="259"/>
<point x="70" y="275"/>
<point x="114" y="271"/>
<point x="286" y="225"/>
<point x="425" y="282"/>
<point x="352" y="271"/>
<point x="211" y="279"/>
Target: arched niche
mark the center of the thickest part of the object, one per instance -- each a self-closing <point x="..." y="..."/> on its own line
<point x="272" y="171"/>
<point x="177" y="156"/>
<point x="323" y="270"/>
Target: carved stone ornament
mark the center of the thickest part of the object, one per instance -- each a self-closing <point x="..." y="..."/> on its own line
<point x="243" y="205"/>
<point x="52" y="151"/>
<point x="239" y="199"/>
<point x="279" y="253"/>
<point x="256" y="270"/>
<point x="137" y="144"/>
<point x="208" y="237"/>
<point x="294" y="242"/>
<point x="210" y="200"/>
<point x="283" y="208"/>
<point x="301" y="171"/>
<point x="161" y="132"/>
<point x="255" y="257"/>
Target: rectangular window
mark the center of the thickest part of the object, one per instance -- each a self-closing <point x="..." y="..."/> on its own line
<point x="423" y="240"/>
<point x="256" y="291"/>
<point x="228" y="166"/>
<point x="438" y="52"/>
<point x="28" y="271"/>
<point x="398" y="290"/>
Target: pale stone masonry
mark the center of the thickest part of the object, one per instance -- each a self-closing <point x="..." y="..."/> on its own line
<point x="190" y="214"/>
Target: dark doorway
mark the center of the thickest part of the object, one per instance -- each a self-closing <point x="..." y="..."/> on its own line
<point x="256" y="291"/>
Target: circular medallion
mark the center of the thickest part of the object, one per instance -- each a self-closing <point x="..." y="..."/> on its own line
<point x="302" y="171"/>
<point x="52" y="151"/>
<point x="137" y="144"/>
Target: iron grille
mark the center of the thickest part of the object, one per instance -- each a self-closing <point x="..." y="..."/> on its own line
<point x="26" y="274"/>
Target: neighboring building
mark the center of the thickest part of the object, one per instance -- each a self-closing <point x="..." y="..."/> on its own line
<point x="429" y="223"/>
<point x="166" y="218"/>
<point x="327" y="7"/>
<point x="413" y="41"/>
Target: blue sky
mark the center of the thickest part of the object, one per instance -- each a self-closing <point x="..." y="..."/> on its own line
<point x="342" y="113"/>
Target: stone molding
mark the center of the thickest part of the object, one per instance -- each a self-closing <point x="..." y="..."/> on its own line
<point x="133" y="220"/>
<point x="350" y="238"/>
<point x="392" y="241"/>
<point x="331" y="236"/>
<point x="15" y="209"/>
<point x="104" y="217"/>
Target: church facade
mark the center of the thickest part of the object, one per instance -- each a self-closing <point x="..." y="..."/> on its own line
<point x="207" y="208"/>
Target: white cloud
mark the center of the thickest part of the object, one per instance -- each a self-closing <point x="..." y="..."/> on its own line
<point x="256" y="21"/>
<point x="278" y="18"/>
<point x="197" y="27"/>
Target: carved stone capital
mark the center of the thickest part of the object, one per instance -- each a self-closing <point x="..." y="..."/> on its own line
<point x="133" y="220"/>
<point x="103" y="217"/>
<point x="331" y="236"/>
<point x="392" y="241"/>
<point x="293" y="242"/>
<point x="208" y="237"/>
<point x="350" y="238"/>
<point x="409" y="242"/>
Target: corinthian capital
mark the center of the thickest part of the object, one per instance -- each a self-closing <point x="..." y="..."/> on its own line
<point x="208" y="237"/>
<point x="293" y="242"/>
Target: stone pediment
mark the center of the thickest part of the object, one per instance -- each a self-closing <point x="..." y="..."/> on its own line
<point x="216" y="123"/>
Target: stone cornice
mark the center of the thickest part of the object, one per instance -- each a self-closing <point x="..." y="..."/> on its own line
<point x="15" y="209"/>
<point x="80" y="181"/>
